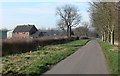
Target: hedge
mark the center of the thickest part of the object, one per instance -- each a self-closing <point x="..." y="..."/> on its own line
<point x="16" y="46"/>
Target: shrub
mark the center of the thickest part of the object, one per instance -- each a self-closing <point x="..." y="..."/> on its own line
<point x="84" y="37"/>
<point x="16" y="46"/>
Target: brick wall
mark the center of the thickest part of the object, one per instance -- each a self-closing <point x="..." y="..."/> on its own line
<point x="21" y="35"/>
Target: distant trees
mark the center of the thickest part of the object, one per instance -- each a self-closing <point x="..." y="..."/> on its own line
<point x="69" y="17"/>
<point x="81" y="31"/>
<point x="104" y="17"/>
<point x="85" y="31"/>
<point x="52" y="32"/>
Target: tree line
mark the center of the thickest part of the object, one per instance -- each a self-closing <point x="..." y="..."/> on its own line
<point x="104" y="17"/>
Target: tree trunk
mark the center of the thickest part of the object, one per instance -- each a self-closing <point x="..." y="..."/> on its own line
<point x="102" y="37"/>
<point x="70" y="31"/>
<point x="108" y="38"/>
<point x="67" y="31"/>
<point x="112" y="37"/>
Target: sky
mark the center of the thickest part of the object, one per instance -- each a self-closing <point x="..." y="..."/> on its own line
<point x="41" y="14"/>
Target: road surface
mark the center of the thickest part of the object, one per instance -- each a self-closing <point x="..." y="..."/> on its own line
<point x="89" y="59"/>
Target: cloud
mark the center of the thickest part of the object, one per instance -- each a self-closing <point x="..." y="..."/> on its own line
<point x="41" y="14"/>
<point x="61" y="1"/>
<point x="85" y="16"/>
<point x="35" y="10"/>
<point x="44" y="1"/>
<point x="0" y="15"/>
<point x="41" y="8"/>
<point x="28" y="11"/>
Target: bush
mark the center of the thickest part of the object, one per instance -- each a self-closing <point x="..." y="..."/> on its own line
<point x="84" y="37"/>
<point x="15" y="46"/>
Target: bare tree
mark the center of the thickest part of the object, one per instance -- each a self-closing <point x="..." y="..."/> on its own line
<point x="86" y="26"/>
<point x="61" y="25"/>
<point x="81" y="31"/>
<point x="69" y="17"/>
<point x="104" y="19"/>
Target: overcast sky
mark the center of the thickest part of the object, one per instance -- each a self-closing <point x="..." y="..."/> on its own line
<point x="41" y="14"/>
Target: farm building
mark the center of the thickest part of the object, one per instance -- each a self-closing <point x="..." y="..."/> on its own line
<point x="3" y="34"/>
<point x="38" y="34"/>
<point x="24" y="31"/>
<point x="9" y="34"/>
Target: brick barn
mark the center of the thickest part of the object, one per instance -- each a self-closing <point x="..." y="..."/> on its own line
<point x="24" y="31"/>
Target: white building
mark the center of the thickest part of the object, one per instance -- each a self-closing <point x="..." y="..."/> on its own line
<point x="9" y="34"/>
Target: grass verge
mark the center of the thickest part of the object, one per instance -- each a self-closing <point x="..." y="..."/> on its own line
<point x="37" y="62"/>
<point x="111" y="54"/>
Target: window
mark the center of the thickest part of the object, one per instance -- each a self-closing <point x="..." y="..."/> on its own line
<point x="23" y="32"/>
<point x="27" y="33"/>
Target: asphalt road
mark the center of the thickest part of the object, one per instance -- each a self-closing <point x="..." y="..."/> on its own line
<point x="89" y="59"/>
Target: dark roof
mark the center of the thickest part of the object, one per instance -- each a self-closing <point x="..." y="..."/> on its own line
<point x="3" y="30"/>
<point x="38" y="33"/>
<point x="23" y="28"/>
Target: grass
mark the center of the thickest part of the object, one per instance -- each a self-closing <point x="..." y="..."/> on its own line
<point x="111" y="54"/>
<point x="37" y="62"/>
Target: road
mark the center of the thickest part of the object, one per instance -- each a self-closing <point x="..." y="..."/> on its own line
<point x="89" y="59"/>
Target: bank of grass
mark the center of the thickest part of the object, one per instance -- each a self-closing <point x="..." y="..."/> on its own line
<point x="37" y="62"/>
<point x="111" y="54"/>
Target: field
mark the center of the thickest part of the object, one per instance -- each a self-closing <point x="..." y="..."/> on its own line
<point x="111" y="54"/>
<point x="36" y="62"/>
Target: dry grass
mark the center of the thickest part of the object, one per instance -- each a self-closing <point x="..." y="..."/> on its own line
<point x="14" y="46"/>
<point x="38" y="61"/>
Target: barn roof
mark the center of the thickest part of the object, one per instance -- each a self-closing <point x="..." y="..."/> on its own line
<point x="23" y="28"/>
